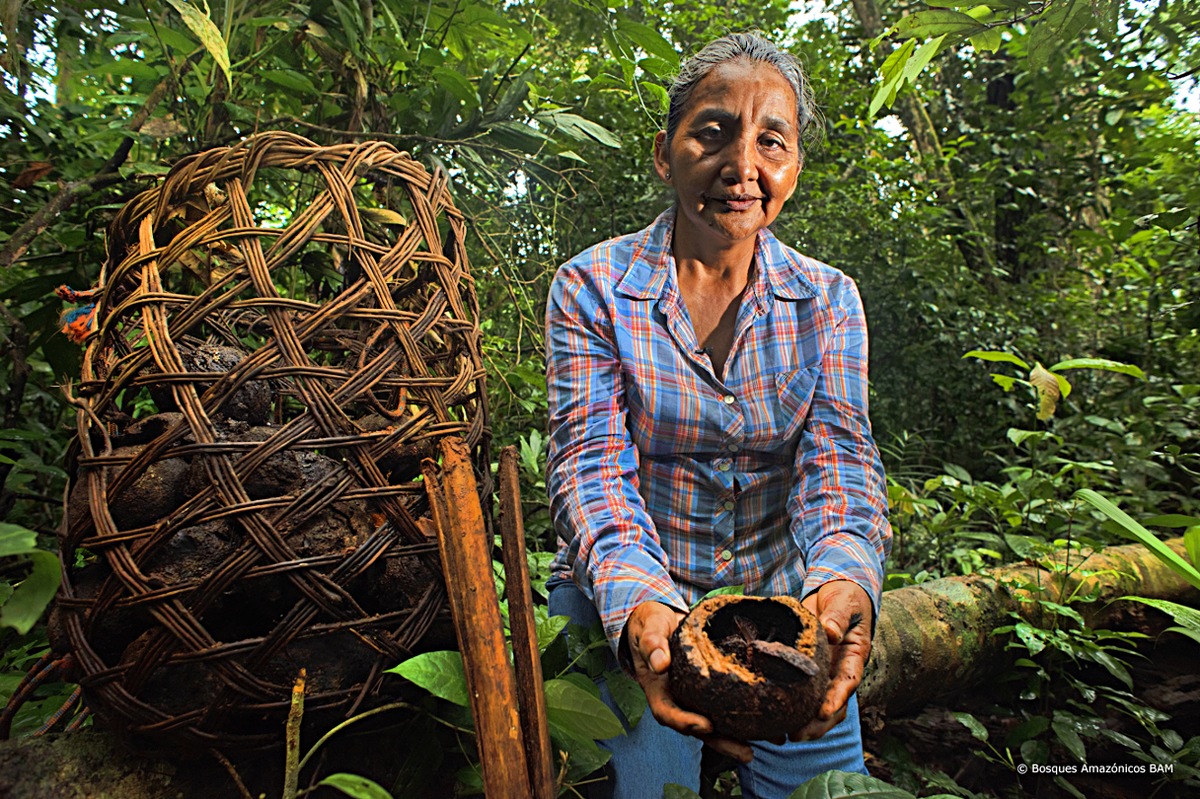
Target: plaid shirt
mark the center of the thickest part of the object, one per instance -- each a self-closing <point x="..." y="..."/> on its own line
<point x="667" y="480"/>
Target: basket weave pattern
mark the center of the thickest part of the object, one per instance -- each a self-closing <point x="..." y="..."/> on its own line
<point x="254" y="406"/>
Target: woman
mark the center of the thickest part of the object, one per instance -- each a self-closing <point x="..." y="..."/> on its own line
<point x="708" y="423"/>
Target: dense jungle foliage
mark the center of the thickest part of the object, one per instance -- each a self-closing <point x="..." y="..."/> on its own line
<point x="1011" y="179"/>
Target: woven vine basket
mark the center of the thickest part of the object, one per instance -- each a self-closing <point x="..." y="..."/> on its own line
<point x="283" y="332"/>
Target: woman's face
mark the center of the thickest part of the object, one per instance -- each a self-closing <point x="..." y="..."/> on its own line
<point x="735" y="157"/>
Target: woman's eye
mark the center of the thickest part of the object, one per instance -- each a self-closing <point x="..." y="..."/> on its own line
<point x="772" y="143"/>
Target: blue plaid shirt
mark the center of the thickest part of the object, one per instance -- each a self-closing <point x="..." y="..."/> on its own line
<point x="667" y="480"/>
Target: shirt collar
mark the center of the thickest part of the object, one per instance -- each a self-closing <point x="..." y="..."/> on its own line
<point x="780" y="270"/>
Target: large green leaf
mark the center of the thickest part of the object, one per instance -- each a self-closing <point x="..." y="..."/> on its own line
<point x="22" y="605"/>
<point x="997" y="357"/>
<point x="207" y="32"/>
<point x="439" y="673"/>
<point x="31" y="596"/>
<point x="648" y="39"/>
<point x="1139" y="533"/>
<point x="1100" y="363"/>
<point x="1188" y="618"/>
<point x="356" y="786"/>
<point x="937" y="23"/>
<point x="837" y="784"/>
<point x="578" y="712"/>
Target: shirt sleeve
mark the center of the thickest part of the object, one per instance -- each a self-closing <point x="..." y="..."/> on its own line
<point x="613" y="550"/>
<point x="838" y="505"/>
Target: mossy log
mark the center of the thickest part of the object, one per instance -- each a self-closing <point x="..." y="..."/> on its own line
<point x="932" y="641"/>
<point x="935" y="639"/>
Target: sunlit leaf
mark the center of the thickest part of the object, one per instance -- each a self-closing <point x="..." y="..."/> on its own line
<point x="839" y="784"/>
<point x="439" y="673"/>
<point x="936" y="23"/>
<point x="997" y="357"/>
<point x="1048" y="391"/>
<point x="1139" y="533"/>
<point x="1100" y="363"/>
<point x="207" y="32"/>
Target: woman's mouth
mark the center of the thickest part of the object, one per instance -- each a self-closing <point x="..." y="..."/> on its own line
<point x="739" y="203"/>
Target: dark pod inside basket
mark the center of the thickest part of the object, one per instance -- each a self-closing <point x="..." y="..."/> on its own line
<point x="757" y="667"/>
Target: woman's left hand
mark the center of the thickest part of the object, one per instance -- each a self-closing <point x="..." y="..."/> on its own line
<point x="836" y="605"/>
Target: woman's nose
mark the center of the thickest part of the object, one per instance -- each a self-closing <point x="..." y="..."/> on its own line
<point x="741" y="163"/>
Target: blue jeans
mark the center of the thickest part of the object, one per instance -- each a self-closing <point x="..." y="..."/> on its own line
<point x="650" y="755"/>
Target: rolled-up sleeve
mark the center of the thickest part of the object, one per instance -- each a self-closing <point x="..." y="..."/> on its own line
<point x="838" y="504"/>
<point x="613" y="551"/>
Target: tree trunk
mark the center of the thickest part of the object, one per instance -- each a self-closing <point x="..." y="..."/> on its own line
<point x="935" y="639"/>
<point x="932" y="641"/>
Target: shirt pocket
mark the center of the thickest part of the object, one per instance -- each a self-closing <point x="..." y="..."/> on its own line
<point x="794" y="392"/>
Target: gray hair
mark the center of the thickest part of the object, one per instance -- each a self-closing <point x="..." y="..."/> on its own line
<point x="751" y="46"/>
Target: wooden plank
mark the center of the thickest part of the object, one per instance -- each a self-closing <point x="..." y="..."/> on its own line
<point x="467" y="567"/>
<point x="535" y="729"/>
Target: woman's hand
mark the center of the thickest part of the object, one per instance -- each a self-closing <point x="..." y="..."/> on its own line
<point x="844" y="610"/>
<point x="647" y="634"/>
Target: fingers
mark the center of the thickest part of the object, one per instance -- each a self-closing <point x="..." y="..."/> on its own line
<point x="844" y="610"/>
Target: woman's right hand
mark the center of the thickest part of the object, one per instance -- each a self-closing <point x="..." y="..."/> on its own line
<point x="647" y="634"/>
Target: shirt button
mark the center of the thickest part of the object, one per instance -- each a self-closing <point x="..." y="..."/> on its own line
<point x="732" y="447"/>
<point x="729" y="505"/>
<point x="726" y="555"/>
<point x="723" y="466"/>
<point x="728" y="399"/>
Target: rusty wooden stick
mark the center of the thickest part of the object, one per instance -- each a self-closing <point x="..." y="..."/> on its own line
<point x="535" y="730"/>
<point x="467" y="567"/>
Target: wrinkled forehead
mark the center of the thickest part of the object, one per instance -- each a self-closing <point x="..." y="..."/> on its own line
<point x="744" y="86"/>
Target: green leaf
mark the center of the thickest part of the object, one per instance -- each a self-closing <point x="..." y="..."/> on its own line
<point x="31" y="596"/>
<point x="459" y="87"/>
<point x="1191" y="543"/>
<point x="1004" y="381"/>
<point x="1139" y="533"/>
<point x="439" y="673"/>
<point x="16" y="540"/>
<point x="127" y="67"/>
<point x="1100" y="363"/>
<point x="649" y="40"/>
<point x="727" y="590"/>
<point x="1019" y="437"/>
<point x="628" y="694"/>
<point x="837" y="784"/>
<point x="1055" y="28"/>
<point x="997" y="357"/>
<point x="1027" y="730"/>
<point x="1186" y="617"/>
<point x="356" y="786"/>
<point x="549" y="629"/>
<point x="989" y="40"/>
<point x="579" y="713"/>
<point x="208" y="34"/>
<point x="937" y="23"/>
<point x="290" y="79"/>
<point x="578" y="128"/>
<point x="673" y="791"/>
<point x="1069" y="738"/>
<point x="891" y="74"/>
<point x="978" y="731"/>
<point x="921" y="58"/>
<point x="1171" y="520"/>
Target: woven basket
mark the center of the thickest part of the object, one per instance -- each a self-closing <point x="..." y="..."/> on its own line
<point x="283" y="332"/>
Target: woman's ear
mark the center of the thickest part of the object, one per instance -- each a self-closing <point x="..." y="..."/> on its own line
<point x="662" y="156"/>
